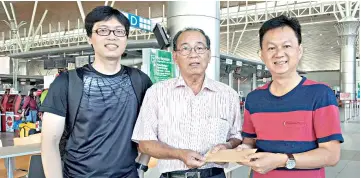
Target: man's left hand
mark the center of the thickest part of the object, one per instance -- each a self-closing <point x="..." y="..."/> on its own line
<point x="265" y="162"/>
<point x="218" y="147"/>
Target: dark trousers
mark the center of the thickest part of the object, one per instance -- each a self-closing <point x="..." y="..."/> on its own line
<point x="222" y="175"/>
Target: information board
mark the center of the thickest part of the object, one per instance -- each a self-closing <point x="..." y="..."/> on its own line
<point x="345" y="96"/>
<point x="158" y="64"/>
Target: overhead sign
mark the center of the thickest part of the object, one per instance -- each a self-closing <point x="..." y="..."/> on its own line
<point x="239" y="63"/>
<point x="229" y="61"/>
<point x="345" y="96"/>
<point x="139" y="22"/>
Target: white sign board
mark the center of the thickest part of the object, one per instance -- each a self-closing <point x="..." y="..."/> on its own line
<point x="71" y="66"/>
<point x="13" y="91"/>
<point x="5" y="65"/>
<point x="239" y="63"/>
<point x="48" y="80"/>
<point x="229" y="61"/>
<point x="345" y="96"/>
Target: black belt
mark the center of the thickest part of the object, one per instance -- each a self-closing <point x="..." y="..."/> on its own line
<point x="194" y="173"/>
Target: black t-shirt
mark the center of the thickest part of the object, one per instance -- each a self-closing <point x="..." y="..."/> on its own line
<point x="100" y="144"/>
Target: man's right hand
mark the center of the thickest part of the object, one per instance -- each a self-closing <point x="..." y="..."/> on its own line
<point x="192" y="159"/>
<point x="243" y="147"/>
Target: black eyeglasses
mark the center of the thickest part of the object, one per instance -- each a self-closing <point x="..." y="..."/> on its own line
<point x="186" y="49"/>
<point x="106" y="32"/>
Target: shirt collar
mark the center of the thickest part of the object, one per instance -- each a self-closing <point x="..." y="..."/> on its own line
<point x="207" y="83"/>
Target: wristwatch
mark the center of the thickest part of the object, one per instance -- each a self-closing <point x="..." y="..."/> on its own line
<point x="141" y="167"/>
<point x="291" y="162"/>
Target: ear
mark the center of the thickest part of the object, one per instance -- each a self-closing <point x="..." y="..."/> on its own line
<point x="174" y="56"/>
<point x="300" y="51"/>
<point x="209" y="55"/>
<point x="260" y="55"/>
<point x="89" y="40"/>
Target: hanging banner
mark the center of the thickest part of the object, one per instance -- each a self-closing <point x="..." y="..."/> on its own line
<point x="9" y="121"/>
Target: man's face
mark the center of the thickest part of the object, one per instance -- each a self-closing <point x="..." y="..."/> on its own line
<point x="108" y="46"/>
<point x="186" y="57"/>
<point x="280" y="51"/>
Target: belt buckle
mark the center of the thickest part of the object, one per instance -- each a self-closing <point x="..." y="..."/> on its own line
<point x="192" y="175"/>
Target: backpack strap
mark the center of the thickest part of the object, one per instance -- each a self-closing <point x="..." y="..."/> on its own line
<point x="140" y="82"/>
<point x="75" y="92"/>
<point x="137" y="82"/>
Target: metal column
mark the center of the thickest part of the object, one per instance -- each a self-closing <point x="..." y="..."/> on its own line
<point x="230" y="79"/>
<point x="254" y="81"/>
<point x="347" y="31"/>
<point x="203" y="15"/>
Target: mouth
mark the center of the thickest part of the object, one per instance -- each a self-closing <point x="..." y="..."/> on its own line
<point x="194" y="64"/>
<point x="280" y="62"/>
<point x="111" y="46"/>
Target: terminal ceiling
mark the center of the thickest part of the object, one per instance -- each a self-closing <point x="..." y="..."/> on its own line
<point x="320" y="40"/>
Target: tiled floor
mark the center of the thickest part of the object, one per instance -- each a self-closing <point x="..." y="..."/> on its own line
<point x="348" y="167"/>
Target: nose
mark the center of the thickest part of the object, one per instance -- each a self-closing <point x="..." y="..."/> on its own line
<point x="279" y="53"/>
<point x="193" y="53"/>
<point x="111" y="37"/>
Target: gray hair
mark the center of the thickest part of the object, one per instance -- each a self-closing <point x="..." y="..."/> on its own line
<point x="176" y="36"/>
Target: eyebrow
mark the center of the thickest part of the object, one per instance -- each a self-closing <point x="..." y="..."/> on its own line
<point x="268" y="43"/>
<point x="108" y="26"/>
<point x="188" y="43"/>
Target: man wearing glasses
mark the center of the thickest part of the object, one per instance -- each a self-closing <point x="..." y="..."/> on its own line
<point x="99" y="144"/>
<point x="182" y="119"/>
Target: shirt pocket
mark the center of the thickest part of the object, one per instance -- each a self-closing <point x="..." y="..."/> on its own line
<point x="218" y="129"/>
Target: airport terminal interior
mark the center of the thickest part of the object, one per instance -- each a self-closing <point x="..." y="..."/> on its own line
<point x="41" y="39"/>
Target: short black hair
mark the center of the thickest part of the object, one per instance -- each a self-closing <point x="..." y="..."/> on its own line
<point x="31" y="92"/>
<point x="280" y="21"/>
<point x="101" y="13"/>
<point x="176" y="36"/>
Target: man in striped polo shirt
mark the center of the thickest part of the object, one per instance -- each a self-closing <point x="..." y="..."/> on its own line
<point x="292" y="121"/>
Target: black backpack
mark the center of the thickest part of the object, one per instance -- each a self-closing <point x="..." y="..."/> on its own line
<point x="140" y="83"/>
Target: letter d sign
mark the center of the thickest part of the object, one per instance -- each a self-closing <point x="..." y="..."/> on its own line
<point x="133" y="21"/>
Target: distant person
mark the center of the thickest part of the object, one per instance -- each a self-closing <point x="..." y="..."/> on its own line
<point x="4" y="100"/>
<point x="30" y="107"/>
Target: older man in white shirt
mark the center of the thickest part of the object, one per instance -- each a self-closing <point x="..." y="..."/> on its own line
<point x="182" y="119"/>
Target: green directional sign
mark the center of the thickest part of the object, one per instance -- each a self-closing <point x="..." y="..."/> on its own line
<point x="158" y="64"/>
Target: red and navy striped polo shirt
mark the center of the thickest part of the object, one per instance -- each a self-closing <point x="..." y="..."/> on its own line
<point x="293" y="123"/>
